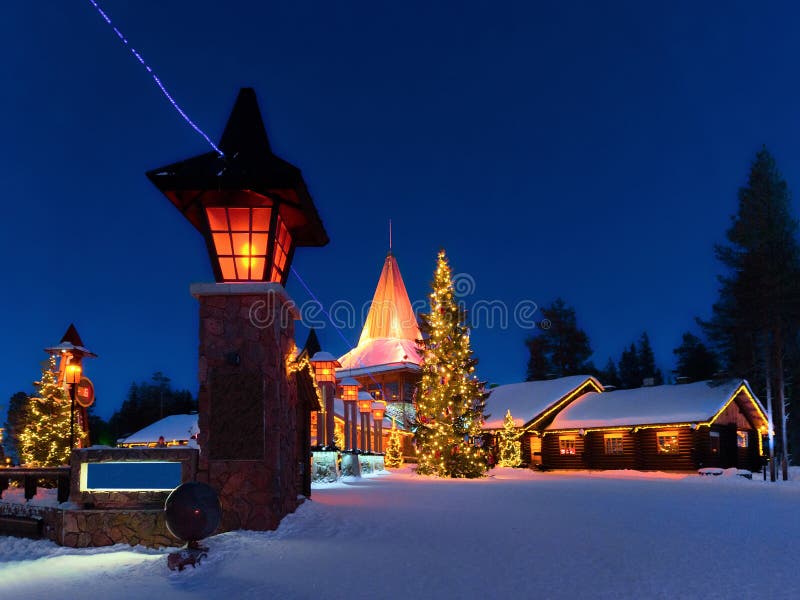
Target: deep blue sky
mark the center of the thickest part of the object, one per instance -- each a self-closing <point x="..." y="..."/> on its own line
<point x="584" y="150"/>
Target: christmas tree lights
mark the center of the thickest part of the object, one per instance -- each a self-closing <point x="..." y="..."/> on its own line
<point x="393" y="458"/>
<point x="510" y="446"/>
<point x="45" y="439"/>
<point x="450" y="399"/>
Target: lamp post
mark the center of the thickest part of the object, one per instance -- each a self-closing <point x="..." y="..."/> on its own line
<point x="71" y="353"/>
<point x="365" y="408"/>
<point x="378" y="411"/>
<point x="349" y="398"/>
<point x="253" y="210"/>
<point x="72" y="377"/>
<point x="325" y="365"/>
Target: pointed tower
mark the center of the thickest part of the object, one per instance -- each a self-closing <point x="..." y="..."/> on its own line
<point x="386" y="360"/>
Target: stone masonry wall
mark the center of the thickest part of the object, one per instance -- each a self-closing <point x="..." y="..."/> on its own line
<point x="248" y="406"/>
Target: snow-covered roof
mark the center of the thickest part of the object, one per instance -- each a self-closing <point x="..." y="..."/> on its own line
<point x="529" y="399"/>
<point x="174" y="427"/>
<point x="388" y="339"/>
<point x="379" y="355"/>
<point x="685" y="403"/>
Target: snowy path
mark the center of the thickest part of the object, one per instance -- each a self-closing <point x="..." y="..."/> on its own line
<point x="516" y="534"/>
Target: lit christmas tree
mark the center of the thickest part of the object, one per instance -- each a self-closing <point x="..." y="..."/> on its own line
<point x="393" y="458"/>
<point x="450" y="399"/>
<point x="510" y="446"/>
<point x="45" y="439"/>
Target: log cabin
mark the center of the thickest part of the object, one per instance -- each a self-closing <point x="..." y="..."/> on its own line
<point x="665" y="428"/>
<point x="533" y="405"/>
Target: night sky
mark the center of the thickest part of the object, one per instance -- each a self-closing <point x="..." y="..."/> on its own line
<point x="586" y="150"/>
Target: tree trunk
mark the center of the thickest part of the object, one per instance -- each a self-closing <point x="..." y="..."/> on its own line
<point x="781" y="401"/>
<point x="771" y="437"/>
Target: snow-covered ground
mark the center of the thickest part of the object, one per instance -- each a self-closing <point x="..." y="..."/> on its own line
<point x="515" y="534"/>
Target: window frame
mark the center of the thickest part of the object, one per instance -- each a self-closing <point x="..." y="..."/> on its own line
<point x="610" y="448"/>
<point x="668" y="433"/>
<point x="564" y="446"/>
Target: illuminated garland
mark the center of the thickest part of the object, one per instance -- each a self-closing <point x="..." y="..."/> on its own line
<point x="450" y="398"/>
<point x="295" y="365"/>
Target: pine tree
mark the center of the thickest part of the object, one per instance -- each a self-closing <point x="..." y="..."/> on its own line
<point x="510" y="446"/>
<point x="755" y="322"/>
<point x="610" y="376"/>
<point x="45" y="439"/>
<point x="695" y="361"/>
<point x="562" y="348"/>
<point x="630" y="374"/>
<point x="647" y="361"/>
<point x="450" y="399"/>
<point x="16" y="419"/>
<point x="393" y="459"/>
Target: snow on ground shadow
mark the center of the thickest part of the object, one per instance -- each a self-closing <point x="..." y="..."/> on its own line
<point x="515" y="533"/>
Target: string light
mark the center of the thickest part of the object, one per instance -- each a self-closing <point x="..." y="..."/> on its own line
<point x="155" y="77"/>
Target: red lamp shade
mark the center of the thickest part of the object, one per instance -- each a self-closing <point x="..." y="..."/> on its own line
<point x="325" y="365"/>
<point x="364" y="406"/>
<point x="350" y="390"/>
<point x="72" y="374"/>
<point x="377" y="413"/>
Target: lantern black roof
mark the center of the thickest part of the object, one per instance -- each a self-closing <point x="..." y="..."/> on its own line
<point x="248" y="165"/>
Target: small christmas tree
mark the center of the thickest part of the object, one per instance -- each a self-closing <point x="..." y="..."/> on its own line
<point x="45" y="439"/>
<point x="450" y="399"/>
<point x="510" y="446"/>
<point x="394" y="449"/>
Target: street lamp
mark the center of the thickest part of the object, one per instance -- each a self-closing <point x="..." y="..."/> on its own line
<point x="378" y="411"/>
<point x="349" y="398"/>
<point x="325" y="365"/>
<point x="365" y="408"/>
<point x="252" y="207"/>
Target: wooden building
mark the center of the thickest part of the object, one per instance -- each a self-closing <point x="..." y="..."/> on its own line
<point x="665" y="428"/>
<point x="386" y="361"/>
<point x="533" y="405"/>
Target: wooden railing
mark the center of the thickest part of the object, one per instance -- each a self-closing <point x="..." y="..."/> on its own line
<point x="30" y="477"/>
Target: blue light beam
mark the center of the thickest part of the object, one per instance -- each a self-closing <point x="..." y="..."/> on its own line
<point x="155" y="77"/>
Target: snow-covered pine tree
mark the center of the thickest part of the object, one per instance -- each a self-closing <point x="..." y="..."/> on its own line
<point x="393" y="459"/>
<point x="45" y="439"/>
<point x="450" y="399"/>
<point x="510" y="446"/>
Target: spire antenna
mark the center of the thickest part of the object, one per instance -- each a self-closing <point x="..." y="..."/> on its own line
<point x="390" y="236"/>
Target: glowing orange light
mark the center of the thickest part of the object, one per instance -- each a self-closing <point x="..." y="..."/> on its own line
<point x="72" y="374"/>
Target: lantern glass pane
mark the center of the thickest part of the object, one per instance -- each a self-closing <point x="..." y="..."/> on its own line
<point x="222" y="243"/>
<point x="240" y="219"/>
<point x="226" y="266"/>
<point x="257" y="268"/>
<point x="243" y="267"/>
<point x="217" y="219"/>
<point x="261" y="219"/>
<point x="258" y="244"/>
<point x="241" y="244"/>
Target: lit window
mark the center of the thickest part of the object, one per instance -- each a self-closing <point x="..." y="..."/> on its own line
<point x="566" y="444"/>
<point x="613" y="443"/>
<point x="667" y="442"/>
<point x="742" y="439"/>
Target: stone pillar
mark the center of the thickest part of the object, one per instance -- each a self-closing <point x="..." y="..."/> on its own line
<point x="347" y="444"/>
<point x="353" y="425"/>
<point x="249" y="448"/>
<point x="378" y="435"/>
<point x="328" y="392"/>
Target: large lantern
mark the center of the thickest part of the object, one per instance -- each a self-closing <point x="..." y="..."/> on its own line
<point x="252" y="207"/>
<point x="325" y="365"/>
<point x="349" y="389"/>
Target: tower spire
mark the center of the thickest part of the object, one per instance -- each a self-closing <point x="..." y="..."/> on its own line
<point x="390" y="237"/>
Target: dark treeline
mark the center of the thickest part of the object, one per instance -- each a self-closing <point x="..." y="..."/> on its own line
<point x="754" y="328"/>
